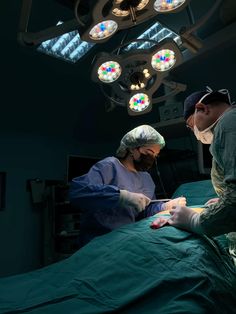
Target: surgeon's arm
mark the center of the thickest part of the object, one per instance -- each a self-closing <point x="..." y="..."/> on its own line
<point x="94" y="190"/>
<point x="91" y="190"/>
<point x="220" y="217"/>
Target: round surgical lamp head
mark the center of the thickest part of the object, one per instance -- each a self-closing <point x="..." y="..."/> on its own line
<point x="103" y="30"/>
<point x="139" y="103"/>
<point x="165" y="56"/>
<point x="109" y="71"/>
<point x="163" y="60"/>
<point x="106" y="68"/>
<point x="169" y="6"/>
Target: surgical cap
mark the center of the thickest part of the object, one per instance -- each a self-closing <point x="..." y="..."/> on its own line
<point x="190" y="102"/>
<point x="205" y="97"/>
<point x="140" y="136"/>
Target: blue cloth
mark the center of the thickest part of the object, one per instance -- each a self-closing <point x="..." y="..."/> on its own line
<point x="96" y="195"/>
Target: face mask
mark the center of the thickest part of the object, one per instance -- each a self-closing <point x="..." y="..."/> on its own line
<point x="144" y="163"/>
<point x="205" y="136"/>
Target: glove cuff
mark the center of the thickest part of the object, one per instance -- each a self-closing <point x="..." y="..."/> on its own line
<point x="123" y="197"/>
<point x="163" y="206"/>
<point x="195" y="223"/>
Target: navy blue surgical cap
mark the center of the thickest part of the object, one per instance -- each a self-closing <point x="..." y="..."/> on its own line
<point x="206" y="97"/>
<point x="190" y="102"/>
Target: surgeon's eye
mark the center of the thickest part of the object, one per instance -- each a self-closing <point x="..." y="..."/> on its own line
<point x="199" y="109"/>
<point x="151" y="152"/>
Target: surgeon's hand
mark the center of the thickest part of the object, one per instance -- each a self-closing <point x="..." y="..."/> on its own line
<point x="180" y="201"/>
<point x="185" y="218"/>
<point x="212" y="201"/>
<point x="136" y="200"/>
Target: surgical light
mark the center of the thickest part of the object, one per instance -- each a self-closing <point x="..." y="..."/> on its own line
<point x="146" y="73"/>
<point x="163" y="60"/>
<point x="121" y="14"/>
<point x="98" y="21"/>
<point x="139" y="102"/>
<point x="138" y="80"/>
<point x="103" y="30"/>
<point x="118" y="12"/>
<point x="143" y="69"/>
<point x="124" y="9"/>
<point x="163" y="6"/>
<point x="109" y="71"/>
<point x="135" y="76"/>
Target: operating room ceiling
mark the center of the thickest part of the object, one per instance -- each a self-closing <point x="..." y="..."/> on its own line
<point x="47" y="96"/>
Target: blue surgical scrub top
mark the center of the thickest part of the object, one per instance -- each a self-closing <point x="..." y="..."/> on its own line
<point x="96" y="195"/>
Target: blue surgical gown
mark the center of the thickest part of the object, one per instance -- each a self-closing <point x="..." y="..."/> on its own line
<point x="96" y="196"/>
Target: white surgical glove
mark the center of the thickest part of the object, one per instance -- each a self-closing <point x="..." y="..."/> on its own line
<point x="212" y="201"/>
<point x="137" y="200"/>
<point x="185" y="218"/>
<point x="180" y="201"/>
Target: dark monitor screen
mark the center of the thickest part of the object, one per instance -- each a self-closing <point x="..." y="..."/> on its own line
<point x="79" y="165"/>
<point x="204" y="158"/>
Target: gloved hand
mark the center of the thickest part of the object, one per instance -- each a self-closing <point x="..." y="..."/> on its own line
<point x="180" y="201"/>
<point x="137" y="200"/>
<point x="185" y="218"/>
<point x="212" y="201"/>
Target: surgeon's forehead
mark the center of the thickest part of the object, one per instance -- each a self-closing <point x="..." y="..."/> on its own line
<point x="153" y="147"/>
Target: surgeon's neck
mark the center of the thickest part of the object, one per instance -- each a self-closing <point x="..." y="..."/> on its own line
<point x="127" y="162"/>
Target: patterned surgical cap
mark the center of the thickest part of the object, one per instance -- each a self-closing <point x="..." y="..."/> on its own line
<point x="140" y="136"/>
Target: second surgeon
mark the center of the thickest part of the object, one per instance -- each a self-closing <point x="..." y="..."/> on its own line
<point x="118" y="190"/>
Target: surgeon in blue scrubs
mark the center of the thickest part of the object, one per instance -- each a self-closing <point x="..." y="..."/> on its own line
<point x="118" y="190"/>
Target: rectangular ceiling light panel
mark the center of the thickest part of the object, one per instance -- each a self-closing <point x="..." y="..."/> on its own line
<point x="156" y="32"/>
<point x="68" y="47"/>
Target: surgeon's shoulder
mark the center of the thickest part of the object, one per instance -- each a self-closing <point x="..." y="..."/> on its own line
<point x="227" y="122"/>
<point x="107" y="162"/>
